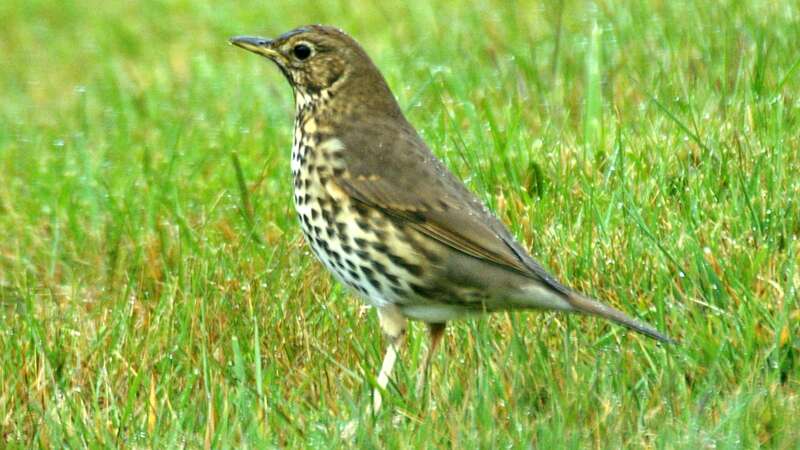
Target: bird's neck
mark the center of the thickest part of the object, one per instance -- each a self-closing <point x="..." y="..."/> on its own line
<point x="356" y="95"/>
<point x="304" y="100"/>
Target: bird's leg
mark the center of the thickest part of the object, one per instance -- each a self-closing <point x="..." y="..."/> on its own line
<point x="393" y="325"/>
<point x="436" y="332"/>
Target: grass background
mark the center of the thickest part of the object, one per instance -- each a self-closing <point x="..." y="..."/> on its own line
<point x="646" y="151"/>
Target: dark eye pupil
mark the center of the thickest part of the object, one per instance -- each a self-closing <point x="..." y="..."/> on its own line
<point x="301" y="51"/>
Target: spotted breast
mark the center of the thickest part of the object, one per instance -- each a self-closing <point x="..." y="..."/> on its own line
<point x="364" y="249"/>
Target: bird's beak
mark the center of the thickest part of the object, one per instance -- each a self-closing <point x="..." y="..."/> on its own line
<point x="255" y="44"/>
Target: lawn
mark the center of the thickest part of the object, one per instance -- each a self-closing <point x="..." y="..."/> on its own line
<point x="156" y="292"/>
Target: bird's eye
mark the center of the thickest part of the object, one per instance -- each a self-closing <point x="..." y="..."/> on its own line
<point x="301" y="51"/>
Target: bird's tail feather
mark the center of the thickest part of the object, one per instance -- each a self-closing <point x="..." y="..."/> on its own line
<point x="586" y="305"/>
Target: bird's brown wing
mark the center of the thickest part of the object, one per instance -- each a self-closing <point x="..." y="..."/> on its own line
<point x="389" y="167"/>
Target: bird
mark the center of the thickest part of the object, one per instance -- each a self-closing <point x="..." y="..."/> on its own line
<point x="386" y="217"/>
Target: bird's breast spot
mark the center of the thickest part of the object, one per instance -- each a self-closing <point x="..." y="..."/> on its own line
<point x="310" y="127"/>
<point x="336" y="192"/>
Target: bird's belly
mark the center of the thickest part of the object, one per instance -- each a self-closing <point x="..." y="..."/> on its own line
<point x="436" y="312"/>
<point x="361" y="252"/>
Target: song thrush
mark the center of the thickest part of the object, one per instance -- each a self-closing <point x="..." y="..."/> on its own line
<point x="385" y="216"/>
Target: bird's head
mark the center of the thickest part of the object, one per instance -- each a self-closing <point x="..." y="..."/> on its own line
<point x="316" y="59"/>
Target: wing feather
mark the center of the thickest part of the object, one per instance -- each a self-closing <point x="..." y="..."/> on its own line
<point x="389" y="167"/>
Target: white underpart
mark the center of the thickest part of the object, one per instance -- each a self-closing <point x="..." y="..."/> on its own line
<point x="532" y="296"/>
<point x="539" y="296"/>
<point x="435" y="312"/>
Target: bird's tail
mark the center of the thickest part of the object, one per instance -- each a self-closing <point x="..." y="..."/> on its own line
<point x="582" y="304"/>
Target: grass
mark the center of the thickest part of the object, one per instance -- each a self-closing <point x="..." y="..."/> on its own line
<point x="155" y="290"/>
